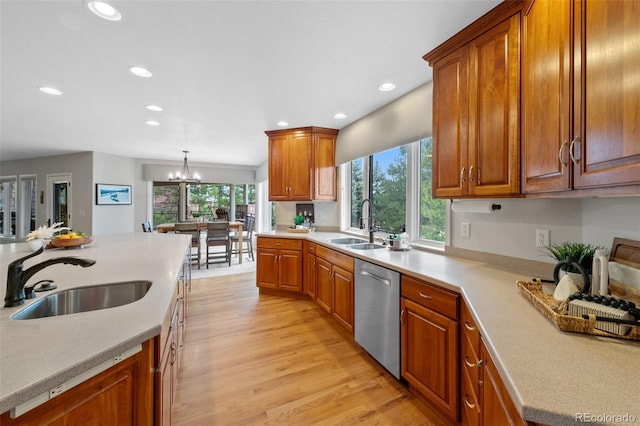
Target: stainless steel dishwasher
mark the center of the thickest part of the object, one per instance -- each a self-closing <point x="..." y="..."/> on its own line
<point x="377" y="313"/>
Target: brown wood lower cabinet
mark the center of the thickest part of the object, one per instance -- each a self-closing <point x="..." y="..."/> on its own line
<point x="334" y="285"/>
<point x="279" y="264"/>
<point x="121" y="395"/>
<point x="484" y="398"/>
<point x="429" y="343"/>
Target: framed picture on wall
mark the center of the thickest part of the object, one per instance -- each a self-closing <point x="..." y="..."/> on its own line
<point x="108" y="194"/>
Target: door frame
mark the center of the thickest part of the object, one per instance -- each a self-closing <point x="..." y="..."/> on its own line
<point x="51" y="180"/>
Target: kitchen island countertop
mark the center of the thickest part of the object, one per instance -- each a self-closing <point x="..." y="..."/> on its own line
<point x="553" y="377"/>
<point x="39" y="354"/>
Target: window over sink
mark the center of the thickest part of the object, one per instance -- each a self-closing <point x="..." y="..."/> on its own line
<point x="398" y="181"/>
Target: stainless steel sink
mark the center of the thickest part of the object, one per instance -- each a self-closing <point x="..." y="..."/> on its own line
<point x="347" y="240"/>
<point x="366" y="246"/>
<point x="84" y="299"/>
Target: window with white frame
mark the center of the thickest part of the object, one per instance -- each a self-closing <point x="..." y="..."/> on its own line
<point x="399" y="183"/>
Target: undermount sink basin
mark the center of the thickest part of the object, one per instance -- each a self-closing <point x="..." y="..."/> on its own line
<point x="84" y="299"/>
<point x="347" y="240"/>
<point x="366" y="246"/>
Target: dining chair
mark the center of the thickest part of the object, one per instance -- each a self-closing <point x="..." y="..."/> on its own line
<point x="146" y="227"/>
<point x="247" y="238"/>
<point x="191" y="228"/>
<point x="217" y="236"/>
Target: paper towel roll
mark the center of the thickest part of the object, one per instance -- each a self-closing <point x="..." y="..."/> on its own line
<point x="474" y="206"/>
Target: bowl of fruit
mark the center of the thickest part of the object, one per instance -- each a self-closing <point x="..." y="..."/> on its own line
<point x="71" y="239"/>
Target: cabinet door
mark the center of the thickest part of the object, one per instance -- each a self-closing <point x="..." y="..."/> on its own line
<point x="324" y="154"/>
<point x="343" y="297"/>
<point x="450" y="123"/>
<point x="267" y="268"/>
<point x="493" y="167"/>
<point x="310" y="274"/>
<point x="299" y="166"/>
<point x="323" y="284"/>
<point x="278" y="168"/>
<point x="497" y="406"/>
<point x="429" y="347"/>
<point x="290" y="270"/>
<point x="607" y="93"/>
<point x="546" y="100"/>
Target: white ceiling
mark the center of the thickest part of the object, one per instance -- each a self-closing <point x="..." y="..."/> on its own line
<point x="224" y="71"/>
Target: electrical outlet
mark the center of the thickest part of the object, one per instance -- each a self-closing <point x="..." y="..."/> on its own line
<point x="542" y="238"/>
<point x="465" y="230"/>
<point x="56" y="391"/>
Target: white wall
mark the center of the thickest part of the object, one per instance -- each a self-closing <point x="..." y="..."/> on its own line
<point x="511" y="231"/>
<point x="79" y="165"/>
<point x="113" y="169"/>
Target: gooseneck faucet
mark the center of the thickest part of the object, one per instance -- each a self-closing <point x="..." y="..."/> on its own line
<point x="369" y="219"/>
<point x="17" y="276"/>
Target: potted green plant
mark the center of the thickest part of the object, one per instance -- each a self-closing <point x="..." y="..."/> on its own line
<point x="573" y="257"/>
<point x="298" y="220"/>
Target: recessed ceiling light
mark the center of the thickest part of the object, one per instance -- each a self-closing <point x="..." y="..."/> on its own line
<point x="151" y="123"/>
<point x="282" y="123"/>
<point x="140" y="71"/>
<point x="155" y="108"/>
<point x="385" y="87"/>
<point x="340" y="116"/>
<point x="50" y="90"/>
<point x="104" y="10"/>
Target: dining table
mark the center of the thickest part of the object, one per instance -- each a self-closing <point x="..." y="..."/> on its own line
<point x="163" y="228"/>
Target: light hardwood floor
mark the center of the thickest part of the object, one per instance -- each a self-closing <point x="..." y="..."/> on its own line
<point x="253" y="359"/>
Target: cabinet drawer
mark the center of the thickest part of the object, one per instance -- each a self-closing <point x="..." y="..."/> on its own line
<point x="469" y="328"/>
<point x="309" y="247"/>
<point x="470" y="406"/>
<point x="469" y="360"/>
<point x="335" y="258"/>
<point x="430" y="296"/>
<point x="280" y="243"/>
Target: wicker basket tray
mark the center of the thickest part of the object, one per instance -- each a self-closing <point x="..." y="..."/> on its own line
<point x="300" y="230"/>
<point x="557" y="314"/>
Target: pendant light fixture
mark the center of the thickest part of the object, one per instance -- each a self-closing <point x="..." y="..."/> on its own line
<point x="185" y="174"/>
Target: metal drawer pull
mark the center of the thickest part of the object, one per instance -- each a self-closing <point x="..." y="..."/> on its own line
<point x="375" y="277"/>
<point x="469" y="364"/>
<point x="468" y="326"/>
<point x="571" y="154"/>
<point x="564" y="143"/>
<point x="466" y="401"/>
<point x="426" y="296"/>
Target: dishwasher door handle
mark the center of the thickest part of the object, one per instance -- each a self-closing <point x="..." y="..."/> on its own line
<point x="376" y="277"/>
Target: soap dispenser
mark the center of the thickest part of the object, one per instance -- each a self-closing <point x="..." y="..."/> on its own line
<point x="600" y="272"/>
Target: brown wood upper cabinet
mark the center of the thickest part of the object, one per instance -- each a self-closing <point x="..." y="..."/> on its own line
<point x="476" y="104"/>
<point x="580" y="100"/>
<point x="302" y="164"/>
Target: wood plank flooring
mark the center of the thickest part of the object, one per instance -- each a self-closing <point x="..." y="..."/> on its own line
<point x="252" y="359"/>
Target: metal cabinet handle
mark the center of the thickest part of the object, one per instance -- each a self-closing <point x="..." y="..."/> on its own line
<point x="471" y="174"/>
<point x="468" y="326"/>
<point x="462" y="173"/>
<point x="576" y="140"/>
<point x="402" y="317"/>
<point x="425" y="296"/>
<point x="467" y="403"/>
<point x="469" y="364"/>
<point x="564" y="144"/>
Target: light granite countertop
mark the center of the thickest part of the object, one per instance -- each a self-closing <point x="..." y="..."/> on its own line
<point x="553" y="377"/>
<point x="39" y="354"/>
